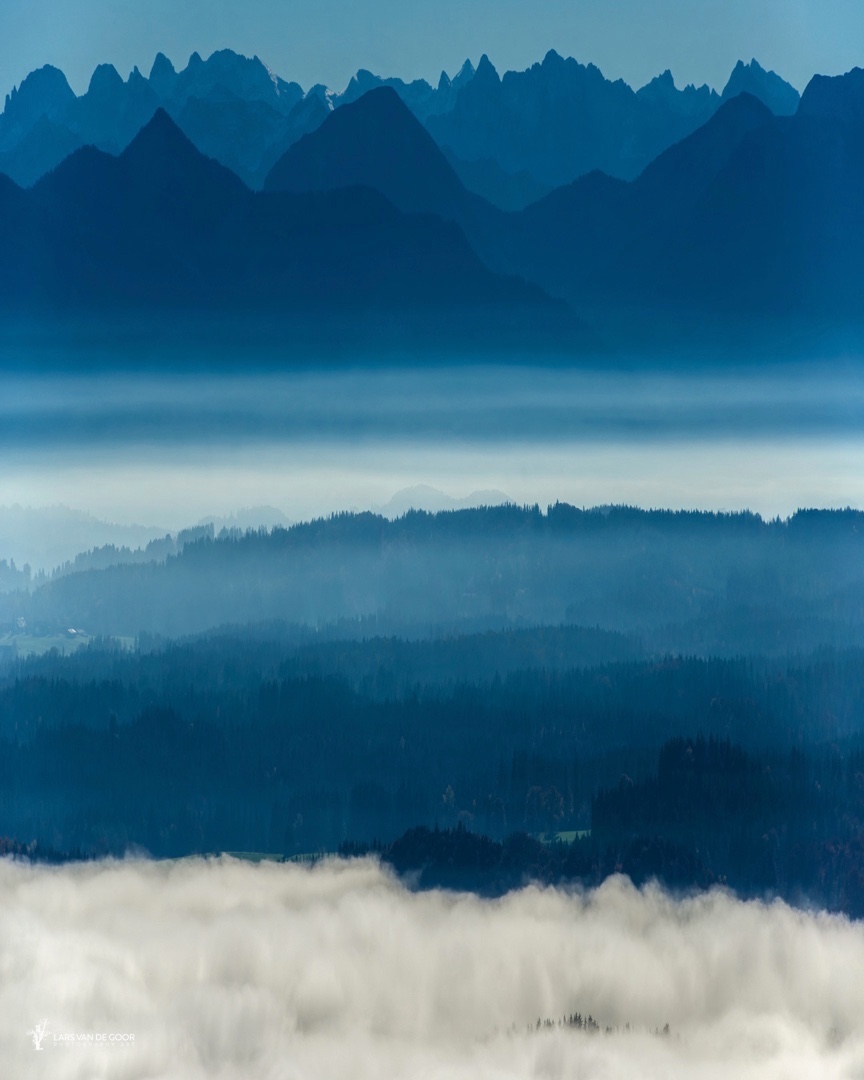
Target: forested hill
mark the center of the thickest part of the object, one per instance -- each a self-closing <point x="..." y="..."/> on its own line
<point x="693" y="770"/>
<point x="703" y="582"/>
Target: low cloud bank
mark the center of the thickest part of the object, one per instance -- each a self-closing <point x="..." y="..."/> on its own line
<point x="221" y="968"/>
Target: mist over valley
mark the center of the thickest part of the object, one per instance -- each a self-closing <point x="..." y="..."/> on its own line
<point x="431" y="564"/>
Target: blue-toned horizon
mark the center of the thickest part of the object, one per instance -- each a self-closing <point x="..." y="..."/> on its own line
<point x="698" y="40"/>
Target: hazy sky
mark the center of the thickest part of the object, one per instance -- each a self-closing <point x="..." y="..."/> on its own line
<point x="327" y="40"/>
<point x="168" y="452"/>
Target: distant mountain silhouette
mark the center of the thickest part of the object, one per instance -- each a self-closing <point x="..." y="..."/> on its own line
<point x="45" y="92"/>
<point x="433" y="500"/>
<point x="661" y="93"/>
<point x="47" y="536"/>
<point x="247" y="517"/>
<point x="38" y="151"/>
<point x="839" y="98"/>
<point x="224" y="74"/>
<point x="159" y="174"/>
<point x="422" y="98"/>
<point x="247" y="136"/>
<point x="218" y="100"/>
<point x="418" y="95"/>
<point x="43" y="118"/>
<point x="752" y="214"/>
<point x="161" y="226"/>
<point x="112" y="111"/>
<point x="561" y="119"/>
<point x="510" y="139"/>
<point x="163" y="76"/>
<point x="571" y="239"/>
<point x="784" y="217"/>
<point x="774" y="92"/>
<point x="33" y="132"/>
<point x="235" y="109"/>
<point x="377" y="142"/>
<point x="680" y="174"/>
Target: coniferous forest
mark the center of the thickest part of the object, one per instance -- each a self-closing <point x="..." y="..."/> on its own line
<point x="539" y="706"/>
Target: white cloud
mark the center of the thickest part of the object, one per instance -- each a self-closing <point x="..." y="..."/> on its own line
<point x="223" y="968"/>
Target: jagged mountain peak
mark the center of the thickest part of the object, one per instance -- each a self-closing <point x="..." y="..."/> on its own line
<point x="44" y="79"/>
<point x="160" y="179"/>
<point x="486" y="71"/>
<point x="162" y="65"/>
<point x="703" y="152"/>
<point x="382" y="97"/>
<point x="226" y="72"/>
<point x="781" y="98"/>
<point x="320" y="91"/>
<point x="376" y="142"/>
<point x="44" y="92"/>
<point x="105" y="81"/>
<point x="361" y="83"/>
<point x="380" y="110"/>
<point x="840" y="97"/>
<point x="661" y="87"/>
<point x="228" y="58"/>
<point x="160" y="126"/>
<point x="467" y="71"/>
<point x="662" y="91"/>
<point x="161" y="141"/>
<point x="163" y="75"/>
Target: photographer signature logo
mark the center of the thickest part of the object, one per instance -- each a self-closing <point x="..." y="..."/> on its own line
<point x="37" y="1034"/>
<point x="79" y="1040"/>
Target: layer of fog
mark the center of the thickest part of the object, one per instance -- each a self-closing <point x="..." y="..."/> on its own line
<point x="169" y="451"/>
<point x="47" y="537"/>
<point x="223" y="968"/>
<point x="469" y="402"/>
<point x="176" y="486"/>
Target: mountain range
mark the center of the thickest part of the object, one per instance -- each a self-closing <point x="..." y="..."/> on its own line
<point x="561" y="119"/>
<point x="161" y="228"/>
<point x="433" y="501"/>
<point x="509" y="139"/>
<point x="750" y="216"/>
<point x="48" y="536"/>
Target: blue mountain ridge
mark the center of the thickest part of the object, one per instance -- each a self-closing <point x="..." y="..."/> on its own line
<point x="161" y="228"/>
<point x="510" y="139"/>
